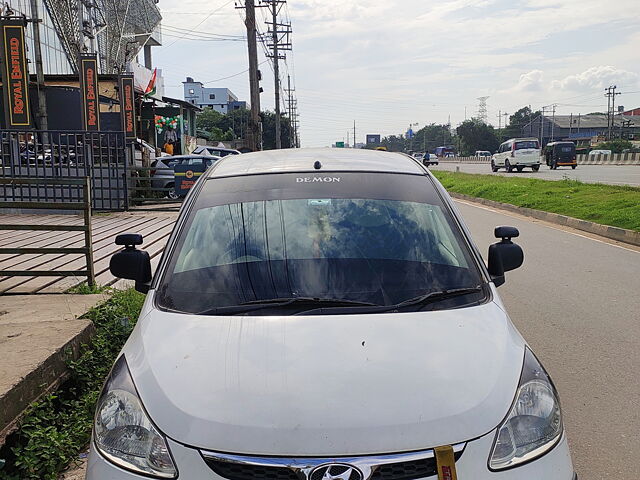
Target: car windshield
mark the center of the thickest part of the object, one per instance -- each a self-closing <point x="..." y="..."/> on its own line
<point x="526" y="145"/>
<point x="335" y="246"/>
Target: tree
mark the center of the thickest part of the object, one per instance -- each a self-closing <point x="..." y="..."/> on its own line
<point x="208" y="119"/>
<point x="476" y="135"/>
<point x="616" y="146"/>
<point x="517" y="122"/>
<point x="431" y="136"/>
<point x="269" y="131"/>
<point x="216" y="126"/>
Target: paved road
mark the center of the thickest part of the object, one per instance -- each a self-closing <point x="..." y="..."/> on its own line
<point x="576" y="301"/>
<point x="612" y="174"/>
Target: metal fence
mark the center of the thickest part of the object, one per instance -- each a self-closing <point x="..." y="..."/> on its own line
<point x="81" y="202"/>
<point x="55" y="154"/>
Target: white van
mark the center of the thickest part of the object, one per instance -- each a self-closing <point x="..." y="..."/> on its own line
<point x="517" y="153"/>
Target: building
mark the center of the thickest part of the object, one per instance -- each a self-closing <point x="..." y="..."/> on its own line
<point x="117" y="45"/>
<point x="222" y="100"/>
<point x="632" y="113"/>
<point x="581" y="128"/>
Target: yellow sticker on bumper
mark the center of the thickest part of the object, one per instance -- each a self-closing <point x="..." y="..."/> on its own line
<point x="446" y="463"/>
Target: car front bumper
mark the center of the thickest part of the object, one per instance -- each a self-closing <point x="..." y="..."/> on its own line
<point x="555" y="465"/>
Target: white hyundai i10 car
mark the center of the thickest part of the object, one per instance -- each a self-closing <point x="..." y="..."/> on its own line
<point x="325" y="315"/>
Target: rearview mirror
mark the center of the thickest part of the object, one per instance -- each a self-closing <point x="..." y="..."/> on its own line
<point x="505" y="255"/>
<point x="130" y="263"/>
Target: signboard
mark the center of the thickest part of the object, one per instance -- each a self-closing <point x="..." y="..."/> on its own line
<point x="88" y="68"/>
<point x="127" y="107"/>
<point x="186" y="177"/>
<point x="373" y="139"/>
<point x="339" y="144"/>
<point x="15" y="76"/>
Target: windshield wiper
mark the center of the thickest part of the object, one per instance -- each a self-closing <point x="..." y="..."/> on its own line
<point x="422" y="300"/>
<point x="284" y="302"/>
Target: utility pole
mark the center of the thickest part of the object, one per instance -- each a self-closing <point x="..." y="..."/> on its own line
<point x="553" y="122"/>
<point x="279" y="33"/>
<point x="292" y="105"/>
<point x="255" y="138"/>
<point x="541" y="132"/>
<point x="354" y="134"/>
<point x="37" y="53"/>
<point x="611" y="105"/>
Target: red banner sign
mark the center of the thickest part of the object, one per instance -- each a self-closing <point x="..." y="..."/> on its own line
<point x="89" y="90"/>
<point x="127" y="107"/>
<point x="15" y="76"/>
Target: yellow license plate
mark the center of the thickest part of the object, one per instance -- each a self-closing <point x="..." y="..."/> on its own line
<point x="446" y="463"/>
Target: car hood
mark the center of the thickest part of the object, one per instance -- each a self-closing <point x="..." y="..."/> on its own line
<point x="330" y="385"/>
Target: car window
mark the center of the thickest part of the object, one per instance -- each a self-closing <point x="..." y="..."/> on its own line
<point x="523" y="145"/>
<point x="174" y="161"/>
<point x="381" y="251"/>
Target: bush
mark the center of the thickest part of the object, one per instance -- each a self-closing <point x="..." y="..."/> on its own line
<point x="57" y="427"/>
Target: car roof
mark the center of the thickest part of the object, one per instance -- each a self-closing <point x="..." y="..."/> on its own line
<point x="521" y="139"/>
<point x="193" y="155"/>
<point x="303" y="160"/>
<point x="221" y="149"/>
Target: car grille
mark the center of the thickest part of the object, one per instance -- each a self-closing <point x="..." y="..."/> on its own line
<point x="410" y="470"/>
<point x="401" y="470"/>
<point x="238" y="471"/>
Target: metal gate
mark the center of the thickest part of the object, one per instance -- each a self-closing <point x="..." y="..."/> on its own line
<point x="51" y="154"/>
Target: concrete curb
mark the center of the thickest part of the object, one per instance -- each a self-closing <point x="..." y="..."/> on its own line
<point x="614" y="233"/>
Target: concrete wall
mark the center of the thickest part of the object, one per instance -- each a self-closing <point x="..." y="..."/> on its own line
<point x="616" y="159"/>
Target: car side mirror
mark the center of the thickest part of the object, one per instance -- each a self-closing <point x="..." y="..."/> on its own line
<point x="131" y="263"/>
<point x="504" y="255"/>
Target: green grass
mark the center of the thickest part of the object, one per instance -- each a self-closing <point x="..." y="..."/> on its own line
<point x="618" y="206"/>
<point x="84" y="289"/>
<point x="57" y="427"/>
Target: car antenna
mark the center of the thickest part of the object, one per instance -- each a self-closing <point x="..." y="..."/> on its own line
<point x="317" y="165"/>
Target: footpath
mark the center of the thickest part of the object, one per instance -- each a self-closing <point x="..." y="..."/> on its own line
<point x="37" y="332"/>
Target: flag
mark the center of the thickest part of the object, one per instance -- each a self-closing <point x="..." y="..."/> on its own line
<point x="151" y="88"/>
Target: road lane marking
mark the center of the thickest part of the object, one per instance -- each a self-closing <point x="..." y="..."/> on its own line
<point x="568" y="230"/>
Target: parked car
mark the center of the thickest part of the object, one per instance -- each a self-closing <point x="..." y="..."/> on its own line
<point x="418" y="156"/>
<point x="560" y="154"/>
<point x="163" y="178"/>
<point x="214" y="151"/>
<point x="600" y="152"/>
<point x="324" y="314"/>
<point x="517" y="153"/>
<point x="430" y="159"/>
<point x="482" y="153"/>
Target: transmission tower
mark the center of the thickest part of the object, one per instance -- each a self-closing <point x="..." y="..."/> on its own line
<point x="482" y="109"/>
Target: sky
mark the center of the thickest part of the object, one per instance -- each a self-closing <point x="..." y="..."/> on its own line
<point x="388" y="64"/>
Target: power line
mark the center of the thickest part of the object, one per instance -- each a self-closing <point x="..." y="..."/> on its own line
<point x="199" y="23"/>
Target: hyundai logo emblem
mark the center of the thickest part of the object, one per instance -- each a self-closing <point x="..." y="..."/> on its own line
<point x="336" y="471"/>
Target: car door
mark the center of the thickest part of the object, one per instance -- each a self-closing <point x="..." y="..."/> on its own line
<point x="499" y="157"/>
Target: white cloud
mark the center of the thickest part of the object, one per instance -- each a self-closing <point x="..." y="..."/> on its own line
<point x="531" y="81"/>
<point x="598" y="77"/>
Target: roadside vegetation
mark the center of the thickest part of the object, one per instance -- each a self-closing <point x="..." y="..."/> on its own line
<point x="605" y="204"/>
<point x="58" y="426"/>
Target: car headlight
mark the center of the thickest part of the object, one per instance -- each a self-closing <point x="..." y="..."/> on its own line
<point x="534" y="424"/>
<point x="123" y="431"/>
